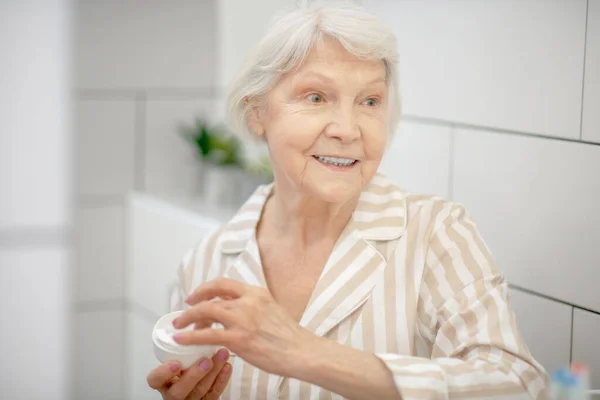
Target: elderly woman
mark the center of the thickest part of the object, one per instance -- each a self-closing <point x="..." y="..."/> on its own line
<point x="332" y="282"/>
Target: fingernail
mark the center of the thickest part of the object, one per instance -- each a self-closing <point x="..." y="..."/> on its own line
<point x="223" y="354"/>
<point x="175" y="322"/>
<point x="174" y="367"/>
<point x="177" y="336"/>
<point x="205" y="365"/>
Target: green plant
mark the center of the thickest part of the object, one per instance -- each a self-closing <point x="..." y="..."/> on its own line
<point x="217" y="146"/>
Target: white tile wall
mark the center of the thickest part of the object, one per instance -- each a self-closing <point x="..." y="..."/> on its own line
<point x="100" y="355"/>
<point x="101" y="253"/>
<point x="140" y="357"/>
<point x="159" y="236"/>
<point x="240" y="25"/>
<point x="171" y="162"/>
<point x="505" y="64"/>
<point x="546" y="328"/>
<point x="149" y="45"/>
<point x="586" y="343"/>
<point x="591" y="97"/>
<point x="418" y="158"/>
<point x="536" y="204"/>
<point x="106" y="138"/>
<point x="35" y="294"/>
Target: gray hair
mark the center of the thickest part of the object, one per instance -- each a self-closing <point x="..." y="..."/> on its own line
<point x="289" y="40"/>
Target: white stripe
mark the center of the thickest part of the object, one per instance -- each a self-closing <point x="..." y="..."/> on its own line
<point x="294" y="389"/>
<point x="339" y="251"/>
<point x="375" y="198"/>
<point x="317" y="306"/>
<point x="344" y="331"/>
<point x="418" y="382"/>
<point x="383" y="231"/>
<point x="334" y="316"/>
<point x="356" y="338"/>
<point x="458" y="262"/>
<point x="315" y="392"/>
<point x="400" y="285"/>
<point x="438" y="272"/>
<point x="215" y="265"/>
<point x="272" y="387"/>
<point x="236" y="379"/>
<point x="368" y="216"/>
<point x="478" y="255"/>
<point x="254" y="386"/>
<point x="379" y="330"/>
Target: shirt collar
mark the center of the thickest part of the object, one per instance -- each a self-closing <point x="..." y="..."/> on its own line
<point x="380" y="215"/>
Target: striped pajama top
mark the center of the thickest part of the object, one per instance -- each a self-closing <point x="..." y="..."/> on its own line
<point x="410" y="280"/>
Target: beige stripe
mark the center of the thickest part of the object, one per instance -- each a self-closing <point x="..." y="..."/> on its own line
<point x="325" y="395"/>
<point x="209" y="251"/>
<point x="368" y="327"/>
<point x="246" y="381"/>
<point x="326" y="280"/>
<point x="346" y="291"/>
<point x="305" y="390"/>
<point x="381" y="190"/>
<point x="284" y="389"/>
<point x="444" y="256"/>
<point x="485" y="390"/>
<point x="384" y="222"/>
<point x="428" y="394"/>
<point x="450" y="333"/>
<point x="432" y="282"/>
<point x="261" y="387"/>
<point x="389" y="290"/>
<point x="409" y="276"/>
<point x="367" y="206"/>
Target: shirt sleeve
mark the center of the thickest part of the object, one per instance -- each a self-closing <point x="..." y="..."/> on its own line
<point x="465" y="320"/>
<point x="191" y="266"/>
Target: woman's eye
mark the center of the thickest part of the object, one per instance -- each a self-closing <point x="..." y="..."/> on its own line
<point x="371" y="102"/>
<point x="315" y="98"/>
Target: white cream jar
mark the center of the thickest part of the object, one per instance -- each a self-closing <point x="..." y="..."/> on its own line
<point x="166" y="349"/>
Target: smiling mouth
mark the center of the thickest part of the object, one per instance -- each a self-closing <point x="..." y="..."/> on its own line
<point x="336" y="161"/>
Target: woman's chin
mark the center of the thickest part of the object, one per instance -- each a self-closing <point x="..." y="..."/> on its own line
<point x="335" y="192"/>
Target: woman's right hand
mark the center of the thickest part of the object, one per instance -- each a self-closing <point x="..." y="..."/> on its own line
<point x="205" y="380"/>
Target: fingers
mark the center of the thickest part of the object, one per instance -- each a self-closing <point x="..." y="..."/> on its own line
<point x="190" y="378"/>
<point x="220" y="383"/>
<point x="159" y="377"/>
<point x="208" y="336"/>
<point x="204" y="314"/>
<point x="222" y="287"/>
<point x="219" y="359"/>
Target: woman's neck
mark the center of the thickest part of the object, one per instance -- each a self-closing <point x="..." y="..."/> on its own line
<point x="305" y="219"/>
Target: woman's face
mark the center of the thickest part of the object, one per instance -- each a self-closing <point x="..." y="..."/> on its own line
<point x="326" y="124"/>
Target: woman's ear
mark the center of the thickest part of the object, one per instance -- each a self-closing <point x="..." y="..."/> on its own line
<point x="255" y="122"/>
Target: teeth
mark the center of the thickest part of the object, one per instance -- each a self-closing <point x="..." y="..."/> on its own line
<point x="344" y="162"/>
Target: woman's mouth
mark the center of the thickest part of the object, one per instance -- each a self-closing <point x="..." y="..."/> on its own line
<point x="336" y="162"/>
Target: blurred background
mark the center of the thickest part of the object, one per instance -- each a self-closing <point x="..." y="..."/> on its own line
<point x="113" y="163"/>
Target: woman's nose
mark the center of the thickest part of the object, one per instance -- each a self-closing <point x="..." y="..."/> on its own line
<point x="343" y="126"/>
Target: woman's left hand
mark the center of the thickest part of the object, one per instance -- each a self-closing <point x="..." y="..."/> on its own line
<point x="257" y="328"/>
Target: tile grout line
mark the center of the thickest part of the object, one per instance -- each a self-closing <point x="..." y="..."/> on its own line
<point x="587" y="16"/>
<point x="571" y="338"/>
<point x="216" y="93"/>
<point x="462" y="125"/>
<point x="37" y="236"/>
<point x="551" y="298"/>
<point x="451" y="164"/>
